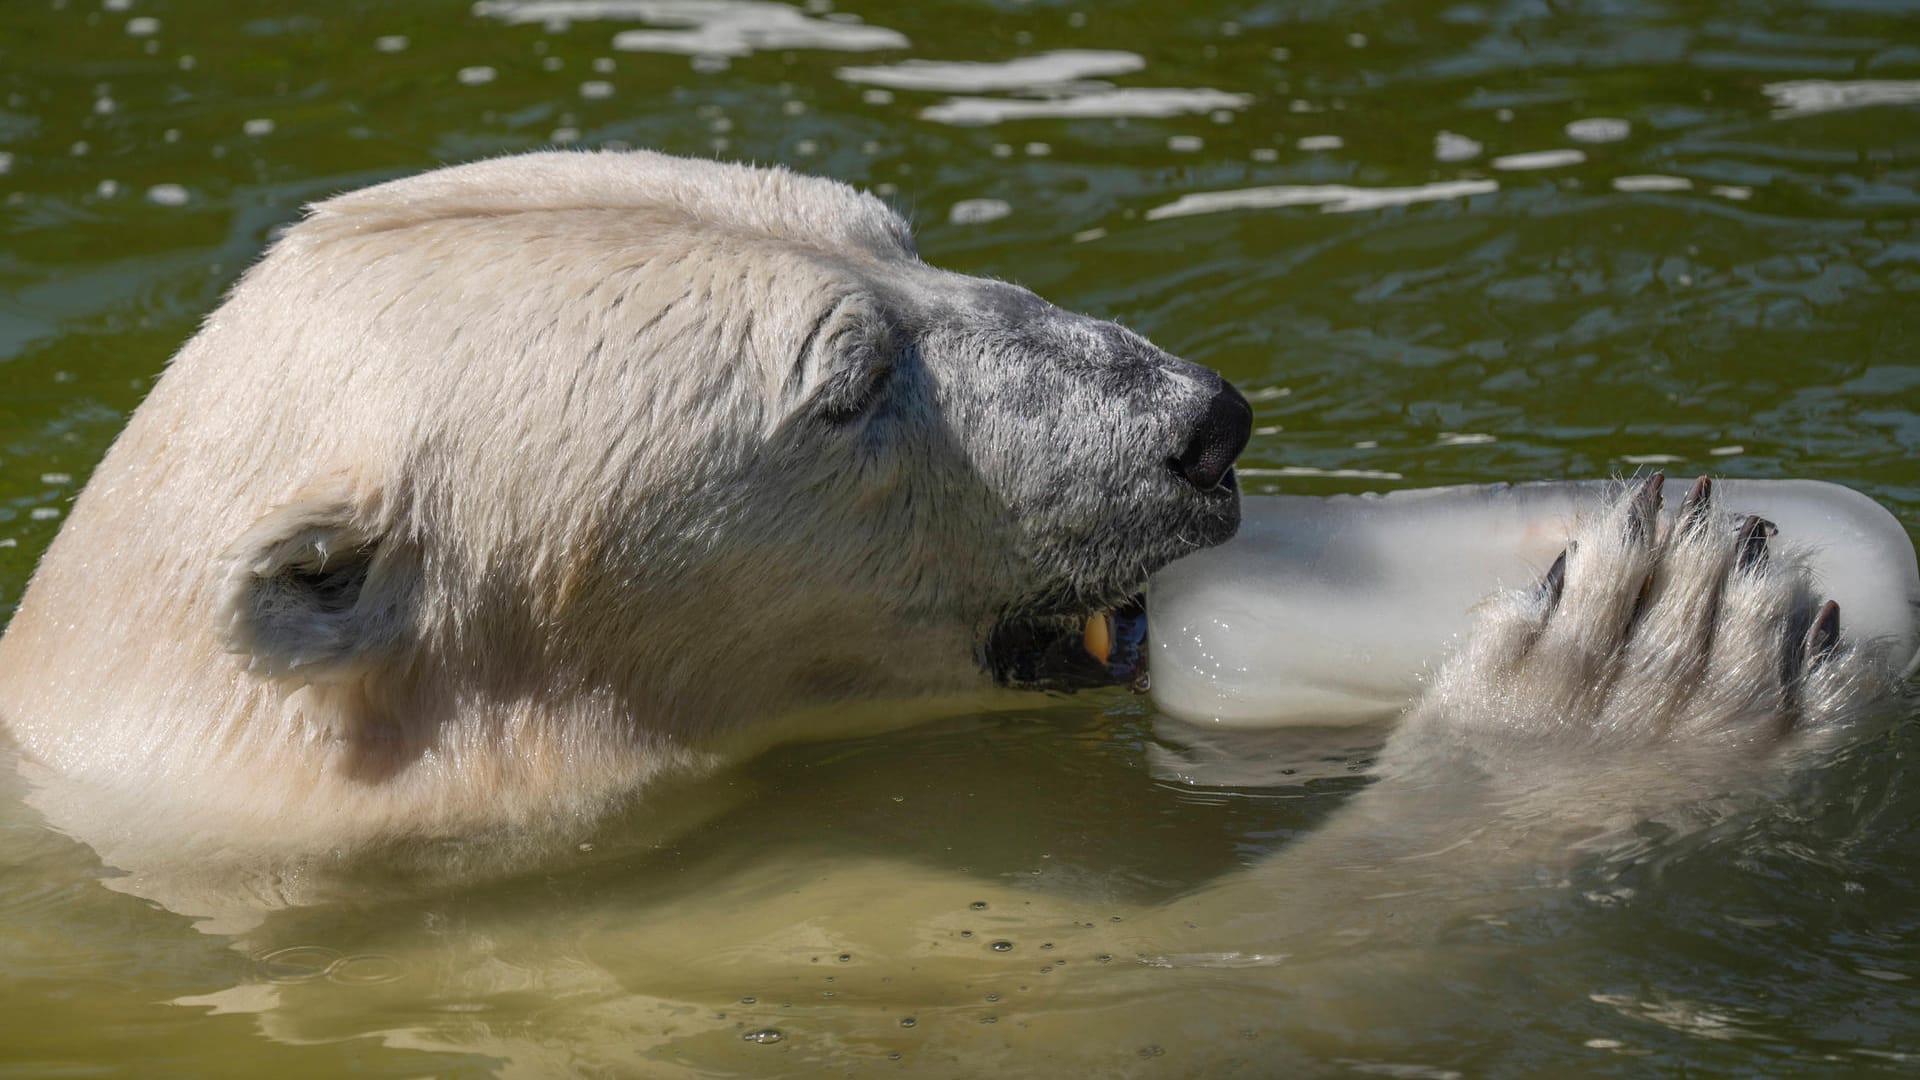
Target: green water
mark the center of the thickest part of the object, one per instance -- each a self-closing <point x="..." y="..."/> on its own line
<point x="1725" y="279"/>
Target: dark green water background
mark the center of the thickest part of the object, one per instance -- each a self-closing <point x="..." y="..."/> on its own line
<point x="1726" y="279"/>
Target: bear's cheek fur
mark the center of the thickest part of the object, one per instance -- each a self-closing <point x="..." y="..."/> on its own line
<point x="883" y="518"/>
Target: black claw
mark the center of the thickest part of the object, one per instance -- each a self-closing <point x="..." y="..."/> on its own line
<point x="1755" y="531"/>
<point x="1556" y="580"/>
<point x="1652" y="486"/>
<point x="1693" y="508"/>
<point x="1824" y="634"/>
<point x="1646" y="505"/>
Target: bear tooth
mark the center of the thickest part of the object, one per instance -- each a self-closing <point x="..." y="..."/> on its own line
<point x="1097" y="636"/>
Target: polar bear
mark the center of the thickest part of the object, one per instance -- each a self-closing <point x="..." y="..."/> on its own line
<point x="491" y="494"/>
<point x="497" y="495"/>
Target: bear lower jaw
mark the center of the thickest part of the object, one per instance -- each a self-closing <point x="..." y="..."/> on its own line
<point x="1065" y="653"/>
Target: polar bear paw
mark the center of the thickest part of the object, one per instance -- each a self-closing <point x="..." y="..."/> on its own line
<point x="1693" y="626"/>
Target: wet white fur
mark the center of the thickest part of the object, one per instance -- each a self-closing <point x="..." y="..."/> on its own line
<point x="1661" y="637"/>
<point x="491" y="494"/>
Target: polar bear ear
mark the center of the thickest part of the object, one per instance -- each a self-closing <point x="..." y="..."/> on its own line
<point x="313" y="590"/>
<point x="847" y="360"/>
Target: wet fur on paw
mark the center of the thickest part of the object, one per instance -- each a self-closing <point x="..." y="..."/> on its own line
<point x="1688" y="627"/>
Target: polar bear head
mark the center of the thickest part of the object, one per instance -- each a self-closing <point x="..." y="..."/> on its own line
<point x="569" y="457"/>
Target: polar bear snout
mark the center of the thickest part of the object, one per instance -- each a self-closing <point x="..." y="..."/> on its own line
<point x="1225" y="423"/>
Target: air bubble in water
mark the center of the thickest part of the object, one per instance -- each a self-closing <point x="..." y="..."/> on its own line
<point x="1001" y="946"/>
<point x="762" y="1035"/>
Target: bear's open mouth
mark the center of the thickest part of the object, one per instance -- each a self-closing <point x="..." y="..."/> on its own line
<point x="1072" y="652"/>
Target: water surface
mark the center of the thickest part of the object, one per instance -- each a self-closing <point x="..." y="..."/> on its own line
<point x="1434" y="242"/>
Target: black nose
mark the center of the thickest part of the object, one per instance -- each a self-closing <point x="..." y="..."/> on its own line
<point x="1217" y="439"/>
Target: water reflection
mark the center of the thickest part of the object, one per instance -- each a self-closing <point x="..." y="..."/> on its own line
<point x="1805" y="97"/>
<point x="1652" y="182"/>
<point x="1333" y="198"/>
<point x="1598" y="129"/>
<point x="702" y="27"/>
<point x="1132" y="101"/>
<point x="1452" y="146"/>
<point x="1047" y="69"/>
<point x="1538" y="159"/>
